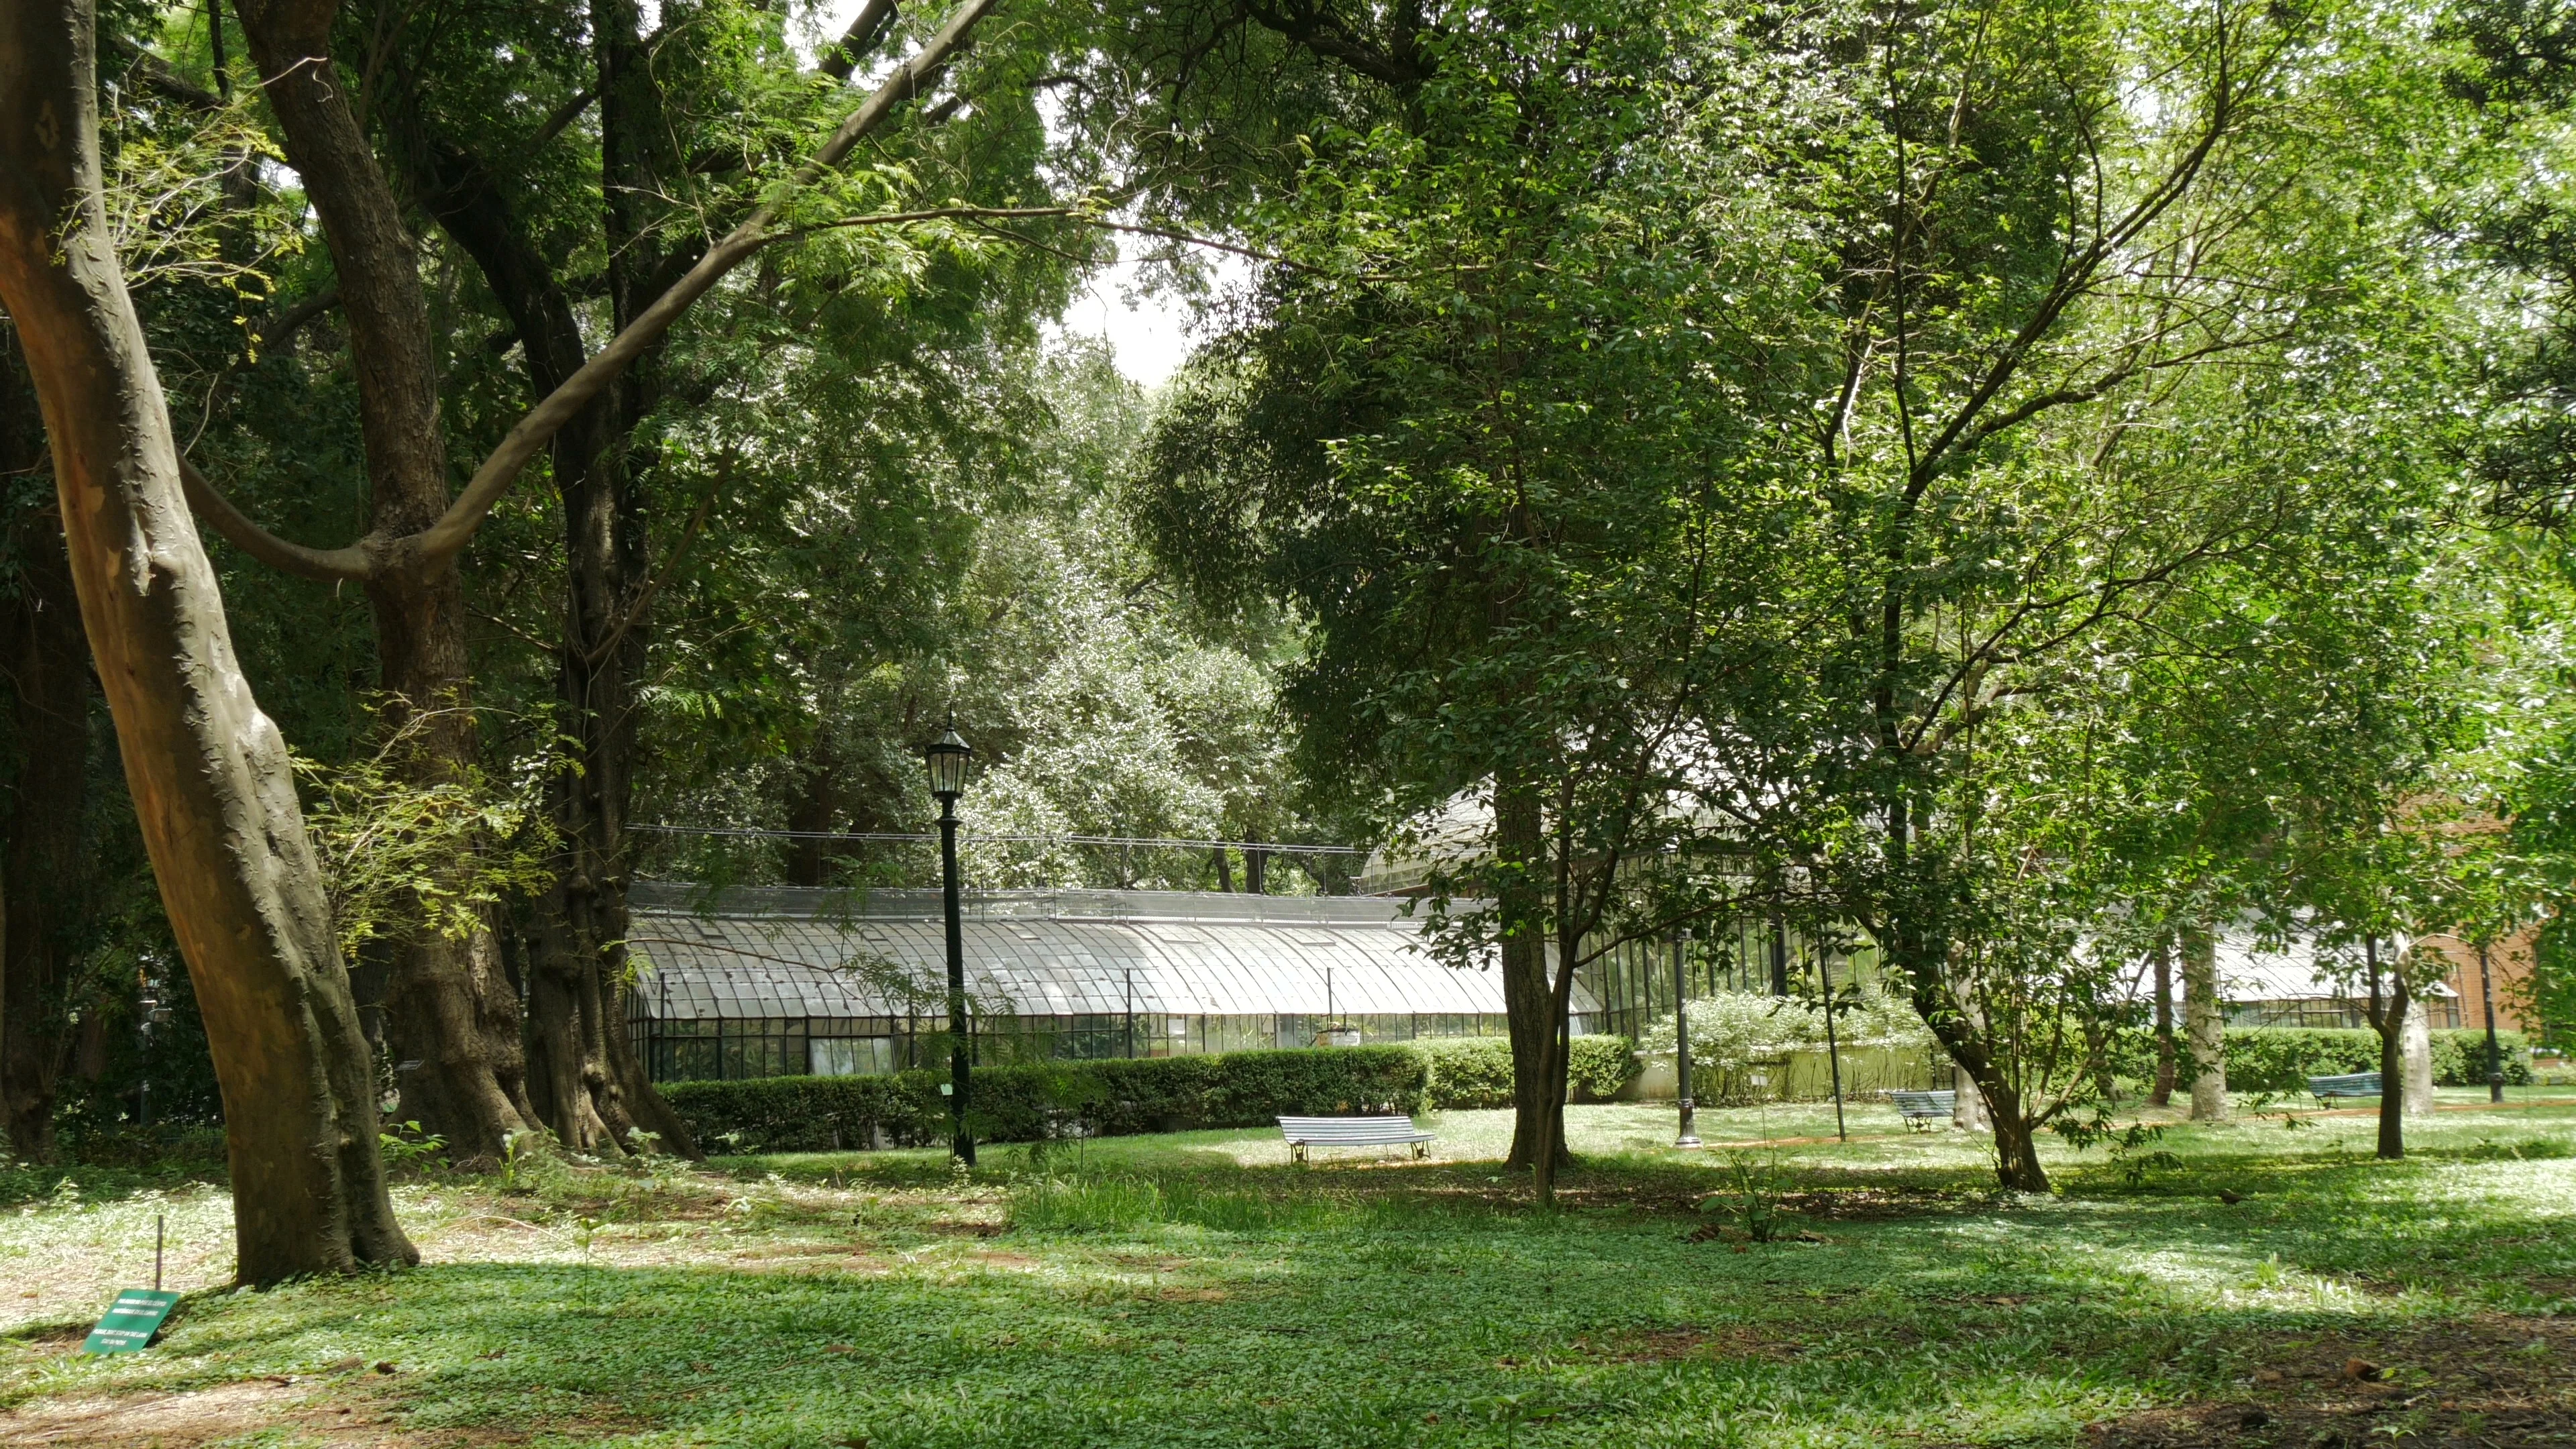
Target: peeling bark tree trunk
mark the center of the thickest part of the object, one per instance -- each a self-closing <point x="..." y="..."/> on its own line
<point x="46" y="867"/>
<point x="2417" y="1061"/>
<point x="448" y="1005"/>
<point x="1968" y="1102"/>
<point x="2204" y="1025"/>
<point x="208" y="771"/>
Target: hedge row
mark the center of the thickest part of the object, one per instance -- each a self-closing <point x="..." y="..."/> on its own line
<point x="2282" y="1058"/>
<point x="1119" y="1096"/>
<point x="1476" y="1071"/>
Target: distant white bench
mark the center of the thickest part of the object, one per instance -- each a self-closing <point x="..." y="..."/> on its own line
<point x="2358" y="1084"/>
<point x="1305" y="1132"/>
<point x="1919" y="1108"/>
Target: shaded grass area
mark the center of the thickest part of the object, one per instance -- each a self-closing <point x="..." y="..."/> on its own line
<point x="1193" y="1289"/>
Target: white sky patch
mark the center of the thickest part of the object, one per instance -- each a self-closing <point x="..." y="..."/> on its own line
<point x="1147" y="327"/>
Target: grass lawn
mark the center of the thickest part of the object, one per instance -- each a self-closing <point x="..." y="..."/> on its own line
<point x="1195" y="1289"/>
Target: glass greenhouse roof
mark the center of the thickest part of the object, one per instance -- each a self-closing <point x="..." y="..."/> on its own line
<point x="784" y="952"/>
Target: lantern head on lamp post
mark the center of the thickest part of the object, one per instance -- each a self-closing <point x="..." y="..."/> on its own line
<point x="947" y="757"/>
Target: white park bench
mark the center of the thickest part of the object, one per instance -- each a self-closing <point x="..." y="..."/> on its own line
<point x="1305" y="1132"/>
<point x="1921" y="1108"/>
<point x="2358" y="1084"/>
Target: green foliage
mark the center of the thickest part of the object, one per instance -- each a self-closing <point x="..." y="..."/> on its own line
<point x="403" y="853"/>
<point x="1477" y="1071"/>
<point x="406" y="1145"/>
<point x="1038" y="1102"/>
<point x="1470" y="1071"/>
<point x="1755" y="1183"/>
<point x="1111" y="1203"/>
<point x="2460" y="1058"/>
<point x="2282" y="1058"/>
<point x="1730" y="1030"/>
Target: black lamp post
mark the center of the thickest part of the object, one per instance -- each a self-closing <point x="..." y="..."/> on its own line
<point x="947" y="756"/>
<point x="1689" y="1133"/>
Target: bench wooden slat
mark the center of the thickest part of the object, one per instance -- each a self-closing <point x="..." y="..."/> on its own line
<point x="2351" y="1084"/>
<point x="1305" y="1132"/>
<point x="1925" y="1106"/>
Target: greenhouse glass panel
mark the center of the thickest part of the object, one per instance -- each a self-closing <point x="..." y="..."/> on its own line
<point x="771" y="981"/>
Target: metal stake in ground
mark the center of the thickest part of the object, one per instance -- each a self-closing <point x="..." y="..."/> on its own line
<point x="947" y="758"/>
<point x="1688" y="1135"/>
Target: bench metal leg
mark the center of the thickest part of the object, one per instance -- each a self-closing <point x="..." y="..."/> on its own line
<point x="1296" y="1152"/>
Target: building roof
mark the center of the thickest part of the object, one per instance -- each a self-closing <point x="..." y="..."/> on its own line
<point x="2250" y="970"/>
<point x="787" y="952"/>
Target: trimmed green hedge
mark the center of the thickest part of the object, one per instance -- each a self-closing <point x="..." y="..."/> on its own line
<point x="1119" y="1097"/>
<point x="1026" y="1103"/>
<point x="1476" y="1071"/>
<point x="2282" y="1058"/>
<point x="2460" y="1058"/>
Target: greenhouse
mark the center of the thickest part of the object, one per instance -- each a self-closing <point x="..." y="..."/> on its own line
<point x="778" y="981"/>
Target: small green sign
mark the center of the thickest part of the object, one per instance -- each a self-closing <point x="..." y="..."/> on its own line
<point x="131" y="1321"/>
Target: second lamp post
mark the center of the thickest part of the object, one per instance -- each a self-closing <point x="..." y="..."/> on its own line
<point x="948" y="756"/>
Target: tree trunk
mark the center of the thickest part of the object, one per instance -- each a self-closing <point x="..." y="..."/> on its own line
<point x="1551" y="1153"/>
<point x="2418" y="1062"/>
<point x="2392" y="1072"/>
<point x="46" y="868"/>
<point x="2204" y="1024"/>
<point x="1529" y="1000"/>
<point x="1986" y="1098"/>
<point x="2016" y="1144"/>
<point x="2163" y="1094"/>
<point x="607" y="569"/>
<point x="811" y="813"/>
<point x="1968" y="1105"/>
<point x="583" y="1081"/>
<point x="2387" y="1015"/>
<point x="208" y="771"/>
<point x="447" y="1003"/>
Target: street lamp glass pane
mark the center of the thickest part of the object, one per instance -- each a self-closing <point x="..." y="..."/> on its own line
<point x="948" y="755"/>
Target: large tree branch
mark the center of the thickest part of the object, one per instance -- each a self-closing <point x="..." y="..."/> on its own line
<point x="378" y="553"/>
<point x="327" y="565"/>
<point x="562" y="116"/>
<point x="844" y="55"/>
<point x="456" y="527"/>
<point x="163" y="79"/>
